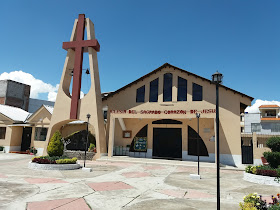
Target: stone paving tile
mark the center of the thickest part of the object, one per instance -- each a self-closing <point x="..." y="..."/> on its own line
<point x="61" y="204"/>
<point x="136" y="174"/>
<point x="108" y="186"/>
<point x="194" y="170"/>
<point x="153" y="167"/>
<point x="102" y="163"/>
<point x="44" y="181"/>
<point x="195" y="194"/>
<point x="174" y="193"/>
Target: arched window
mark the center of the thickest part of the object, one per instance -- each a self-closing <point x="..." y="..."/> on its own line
<point x="140" y="94"/>
<point x="182" y="89"/>
<point x="154" y="91"/>
<point x="167" y="87"/>
<point x="197" y="92"/>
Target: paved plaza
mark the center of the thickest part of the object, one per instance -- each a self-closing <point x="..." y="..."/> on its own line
<point x="121" y="183"/>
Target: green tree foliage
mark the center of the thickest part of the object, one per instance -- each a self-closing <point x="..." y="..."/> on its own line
<point x="77" y="140"/>
<point x="274" y="143"/>
<point x="55" y="147"/>
<point x="273" y="158"/>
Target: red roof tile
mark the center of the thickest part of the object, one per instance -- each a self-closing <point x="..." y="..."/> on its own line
<point x="269" y="106"/>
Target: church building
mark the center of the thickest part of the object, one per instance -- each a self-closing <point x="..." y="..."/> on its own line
<point x="155" y="117"/>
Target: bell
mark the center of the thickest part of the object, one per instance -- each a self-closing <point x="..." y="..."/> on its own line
<point x="87" y="71"/>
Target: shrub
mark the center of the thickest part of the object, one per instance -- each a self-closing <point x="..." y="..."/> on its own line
<point x="50" y="160"/>
<point x="274" y="143"/>
<point x="55" y="147"/>
<point x="66" y="161"/>
<point x="33" y="150"/>
<point x="255" y="202"/>
<point x="42" y="161"/>
<point x="263" y="172"/>
<point x="248" y="169"/>
<point x="91" y="147"/>
<point x="1" y="148"/>
<point x="273" y="158"/>
<point x="254" y="169"/>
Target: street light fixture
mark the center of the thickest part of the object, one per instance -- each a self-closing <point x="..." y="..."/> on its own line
<point x="198" y="141"/>
<point x="88" y="116"/>
<point x="217" y="79"/>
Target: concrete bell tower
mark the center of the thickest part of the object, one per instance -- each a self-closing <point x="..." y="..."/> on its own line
<point x="69" y="108"/>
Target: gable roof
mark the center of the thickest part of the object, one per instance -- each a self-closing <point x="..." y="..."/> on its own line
<point x="171" y="66"/>
<point x="48" y="108"/>
<point x="14" y="113"/>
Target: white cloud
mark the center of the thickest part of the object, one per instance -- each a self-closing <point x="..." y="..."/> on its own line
<point x="255" y="107"/>
<point x="52" y="96"/>
<point x="37" y="85"/>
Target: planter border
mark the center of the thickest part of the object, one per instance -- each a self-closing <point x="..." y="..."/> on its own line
<point x="259" y="179"/>
<point x="37" y="166"/>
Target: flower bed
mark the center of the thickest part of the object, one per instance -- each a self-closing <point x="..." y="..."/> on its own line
<point x="37" y="166"/>
<point x="54" y="160"/>
<point x="259" y="179"/>
<point x="262" y="175"/>
<point x="54" y="163"/>
<point x="254" y="201"/>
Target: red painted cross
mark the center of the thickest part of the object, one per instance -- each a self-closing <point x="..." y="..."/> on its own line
<point x="78" y="45"/>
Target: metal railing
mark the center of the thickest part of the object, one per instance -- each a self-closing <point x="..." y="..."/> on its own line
<point x="124" y="151"/>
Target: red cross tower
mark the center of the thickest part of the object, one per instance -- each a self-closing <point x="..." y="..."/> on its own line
<point x="79" y="46"/>
<point x="92" y="102"/>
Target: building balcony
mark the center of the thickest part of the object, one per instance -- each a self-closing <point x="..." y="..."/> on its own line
<point x="270" y="118"/>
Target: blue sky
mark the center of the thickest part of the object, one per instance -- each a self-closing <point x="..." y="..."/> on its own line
<point x="240" y="38"/>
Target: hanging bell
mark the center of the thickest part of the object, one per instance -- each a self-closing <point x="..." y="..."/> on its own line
<point x="87" y="71"/>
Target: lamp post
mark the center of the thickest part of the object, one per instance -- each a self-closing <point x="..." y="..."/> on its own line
<point x="88" y="116"/>
<point x="198" y="141"/>
<point x="217" y="79"/>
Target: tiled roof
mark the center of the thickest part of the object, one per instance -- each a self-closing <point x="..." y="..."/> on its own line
<point x="269" y="119"/>
<point x="269" y="106"/>
<point x="14" y="113"/>
<point x="174" y="67"/>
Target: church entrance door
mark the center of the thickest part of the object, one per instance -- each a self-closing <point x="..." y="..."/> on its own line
<point x="167" y="143"/>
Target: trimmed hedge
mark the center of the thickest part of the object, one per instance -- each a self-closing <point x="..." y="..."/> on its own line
<point x="67" y="161"/>
<point x="55" y="147"/>
<point x="54" y="160"/>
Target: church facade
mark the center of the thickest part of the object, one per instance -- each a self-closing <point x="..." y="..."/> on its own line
<point x="155" y="117"/>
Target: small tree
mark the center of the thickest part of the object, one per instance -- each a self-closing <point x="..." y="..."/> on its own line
<point x="274" y="143"/>
<point x="55" y="147"/>
<point x="273" y="158"/>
